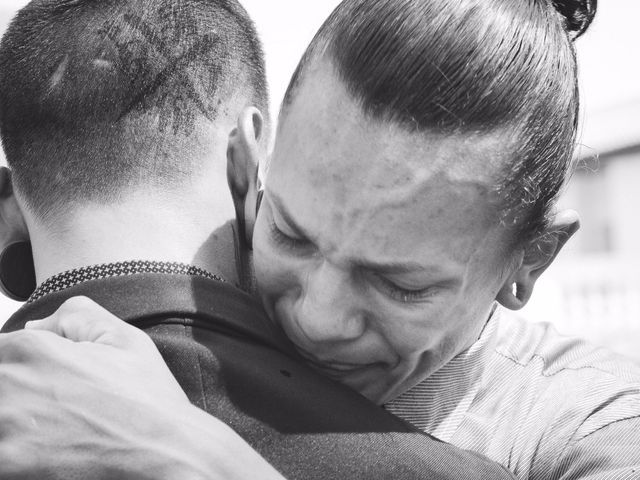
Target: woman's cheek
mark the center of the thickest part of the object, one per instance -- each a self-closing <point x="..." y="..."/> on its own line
<point x="274" y="272"/>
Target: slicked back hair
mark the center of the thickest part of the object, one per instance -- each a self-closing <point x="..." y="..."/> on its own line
<point x="469" y="67"/>
<point x="98" y="97"/>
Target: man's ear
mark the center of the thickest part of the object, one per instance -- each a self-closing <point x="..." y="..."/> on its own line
<point x="535" y="258"/>
<point x="17" y="275"/>
<point x="244" y="155"/>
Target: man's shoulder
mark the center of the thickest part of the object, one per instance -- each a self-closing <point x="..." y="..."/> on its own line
<point x="143" y="298"/>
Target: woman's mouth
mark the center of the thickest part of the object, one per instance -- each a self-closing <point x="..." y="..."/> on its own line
<point x="333" y="366"/>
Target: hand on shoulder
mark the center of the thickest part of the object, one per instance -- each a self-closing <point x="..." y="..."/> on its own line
<point x="83" y="394"/>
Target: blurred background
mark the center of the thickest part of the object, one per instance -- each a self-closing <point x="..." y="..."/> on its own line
<point x="593" y="289"/>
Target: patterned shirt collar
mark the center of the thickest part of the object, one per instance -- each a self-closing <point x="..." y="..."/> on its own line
<point x="76" y="276"/>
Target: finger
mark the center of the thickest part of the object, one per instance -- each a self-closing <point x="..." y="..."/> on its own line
<point x="80" y="319"/>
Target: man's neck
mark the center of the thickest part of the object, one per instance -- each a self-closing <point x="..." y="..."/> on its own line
<point x="140" y="229"/>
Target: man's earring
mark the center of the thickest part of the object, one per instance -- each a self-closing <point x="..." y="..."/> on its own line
<point x="17" y="271"/>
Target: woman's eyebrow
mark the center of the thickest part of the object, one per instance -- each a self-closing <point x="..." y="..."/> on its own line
<point x="394" y="267"/>
<point x="443" y="275"/>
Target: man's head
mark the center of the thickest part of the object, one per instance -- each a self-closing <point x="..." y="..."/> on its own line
<point x="103" y="98"/>
<point x="420" y="150"/>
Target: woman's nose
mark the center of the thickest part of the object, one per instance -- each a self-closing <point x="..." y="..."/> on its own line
<point x="329" y="308"/>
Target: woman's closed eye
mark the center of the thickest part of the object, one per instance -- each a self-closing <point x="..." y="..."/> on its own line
<point x="288" y="241"/>
<point x="403" y="294"/>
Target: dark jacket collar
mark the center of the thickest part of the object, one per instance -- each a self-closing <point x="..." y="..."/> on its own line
<point x="147" y="298"/>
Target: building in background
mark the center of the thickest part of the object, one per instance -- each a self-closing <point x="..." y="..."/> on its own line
<point x="593" y="289"/>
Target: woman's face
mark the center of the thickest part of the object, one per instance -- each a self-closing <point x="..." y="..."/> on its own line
<point x="376" y="250"/>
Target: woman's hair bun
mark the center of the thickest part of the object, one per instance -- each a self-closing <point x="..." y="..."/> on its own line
<point x="577" y="14"/>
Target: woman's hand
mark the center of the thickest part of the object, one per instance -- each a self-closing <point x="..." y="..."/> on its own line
<point x="85" y="395"/>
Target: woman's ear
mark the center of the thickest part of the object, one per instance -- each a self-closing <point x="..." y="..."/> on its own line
<point x="17" y="274"/>
<point x="535" y="258"/>
<point x="245" y="153"/>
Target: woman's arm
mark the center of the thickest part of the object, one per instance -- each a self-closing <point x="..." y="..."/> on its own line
<point x="84" y="395"/>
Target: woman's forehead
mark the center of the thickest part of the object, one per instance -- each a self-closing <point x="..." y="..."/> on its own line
<point x="354" y="182"/>
<point x="324" y="130"/>
<point x="433" y="219"/>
